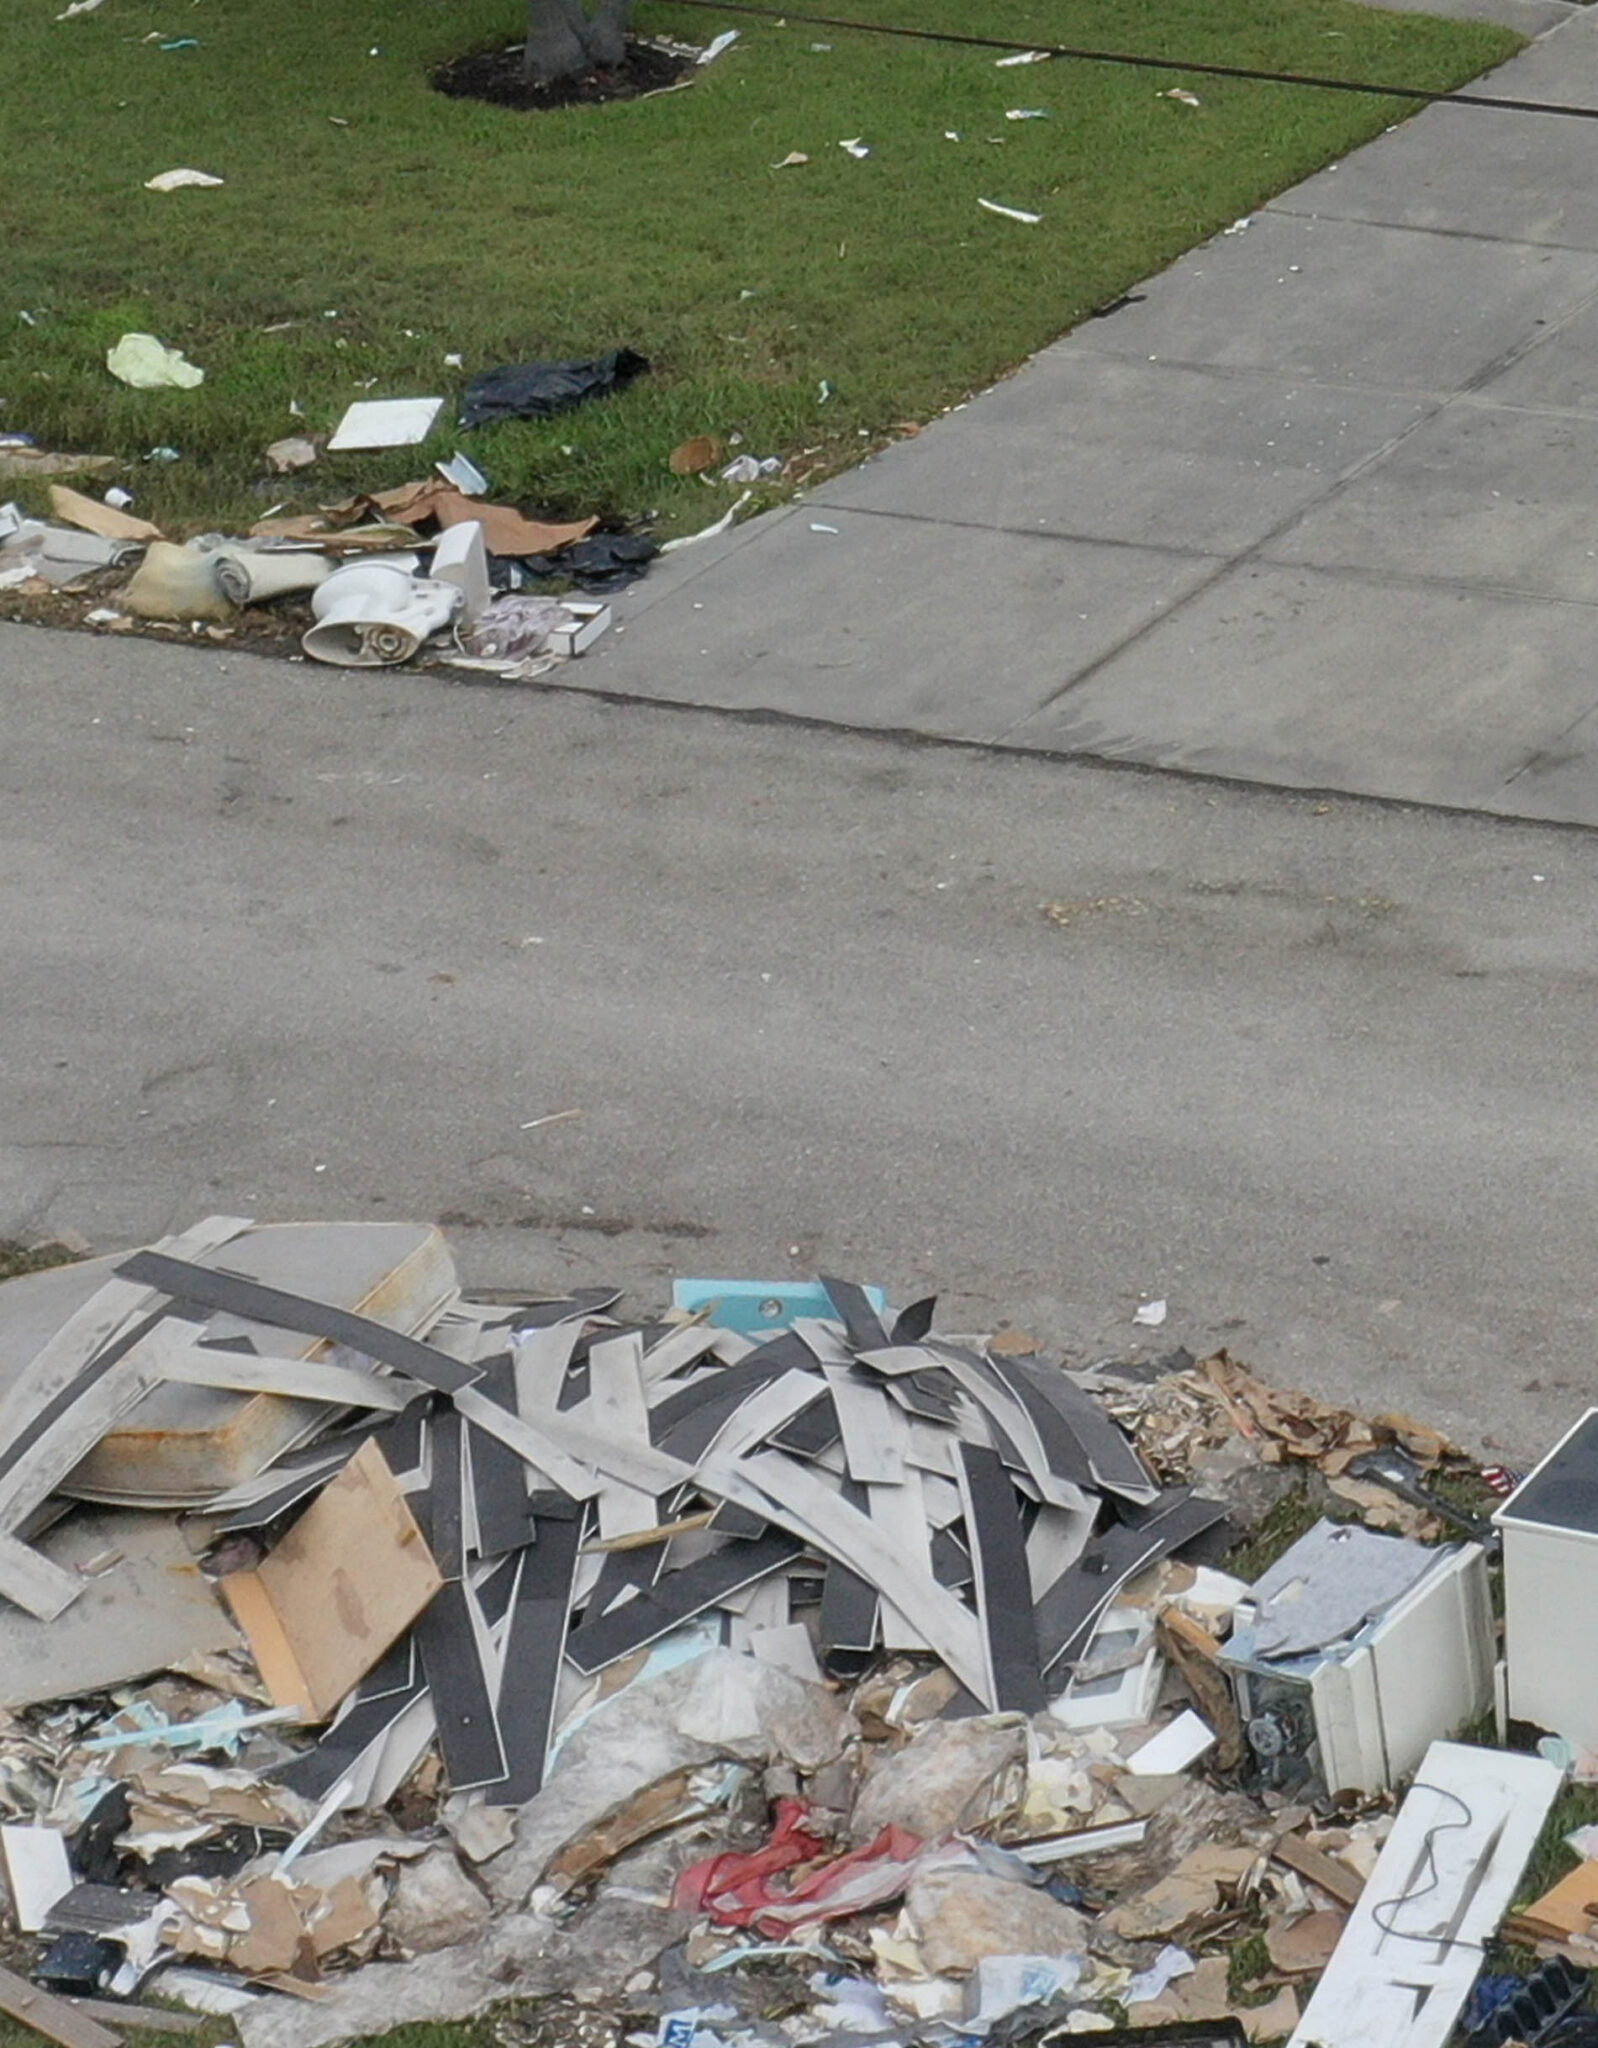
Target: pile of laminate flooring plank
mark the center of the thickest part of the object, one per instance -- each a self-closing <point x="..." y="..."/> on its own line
<point x="582" y="1486"/>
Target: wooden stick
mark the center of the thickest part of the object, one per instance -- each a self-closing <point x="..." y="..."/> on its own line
<point x="1326" y="1871"/>
<point x="52" y="2016"/>
<point x="149" y="2019"/>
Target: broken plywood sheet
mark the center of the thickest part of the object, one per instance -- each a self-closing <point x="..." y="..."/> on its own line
<point x="182" y="1443"/>
<point x="343" y="1585"/>
<point x="1445" y="1879"/>
<point x="148" y="1607"/>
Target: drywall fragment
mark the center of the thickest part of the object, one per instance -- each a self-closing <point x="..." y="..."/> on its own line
<point x="385" y="423"/>
<point x="953" y="1775"/>
<point x="179" y="180"/>
<point x="1180" y="1743"/>
<point x="294" y="451"/>
<point x="37" y="1872"/>
<point x="964" y="1914"/>
<point x="150" y="1610"/>
<point x="435" y="1905"/>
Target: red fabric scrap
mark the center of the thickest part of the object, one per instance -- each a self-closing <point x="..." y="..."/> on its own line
<point x="738" y="1890"/>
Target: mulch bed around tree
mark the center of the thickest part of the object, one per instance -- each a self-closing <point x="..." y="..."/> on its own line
<point x="496" y="76"/>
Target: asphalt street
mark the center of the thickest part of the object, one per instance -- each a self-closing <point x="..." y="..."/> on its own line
<point x="300" y="943"/>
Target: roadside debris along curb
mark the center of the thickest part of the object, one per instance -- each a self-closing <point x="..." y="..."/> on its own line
<point x="349" y="1620"/>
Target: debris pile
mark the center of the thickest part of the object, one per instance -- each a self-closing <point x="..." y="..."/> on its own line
<point x="773" y="1671"/>
<point x="380" y="589"/>
<point x="430" y="569"/>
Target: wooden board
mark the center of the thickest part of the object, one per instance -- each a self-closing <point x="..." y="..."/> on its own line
<point x="52" y="2016"/>
<point x="1334" y="1878"/>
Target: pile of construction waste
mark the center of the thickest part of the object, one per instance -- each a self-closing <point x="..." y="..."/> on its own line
<point x="775" y="1671"/>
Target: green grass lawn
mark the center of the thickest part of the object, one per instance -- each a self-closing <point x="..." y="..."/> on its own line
<point x="429" y="227"/>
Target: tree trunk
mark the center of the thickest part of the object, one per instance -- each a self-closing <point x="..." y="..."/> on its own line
<point x="607" y="32"/>
<point x="554" y="49"/>
<point x="562" y="40"/>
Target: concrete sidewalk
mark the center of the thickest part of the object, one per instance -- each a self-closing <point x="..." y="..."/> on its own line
<point x="1319" y="510"/>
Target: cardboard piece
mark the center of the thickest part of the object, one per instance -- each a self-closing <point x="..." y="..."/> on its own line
<point x="1571" y="1907"/>
<point x="343" y="1585"/>
<point x="95" y="517"/>
<point x="1303" y="1947"/>
<point x="505" y="530"/>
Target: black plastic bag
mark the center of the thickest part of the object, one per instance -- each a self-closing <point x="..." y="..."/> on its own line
<point x="597" y="562"/>
<point x="535" y="391"/>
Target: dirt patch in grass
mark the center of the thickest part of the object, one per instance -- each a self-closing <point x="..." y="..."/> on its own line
<point x="17" y="1259"/>
<point x="496" y="75"/>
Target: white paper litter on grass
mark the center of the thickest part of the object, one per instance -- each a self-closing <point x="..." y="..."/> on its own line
<point x="463" y="473"/>
<point x="174" y="181"/>
<point x="148" y="364"/>
<point x="1022" y="57"/>
<point x="1026" y="113"/>
<point x="1011" y="212"/>
<point x="385" y="423"/>
<point x="1180" y="1743"/>
<point x="855" y="146"/>
<point x="713" y="50"/>
<point x="78" y="7"/>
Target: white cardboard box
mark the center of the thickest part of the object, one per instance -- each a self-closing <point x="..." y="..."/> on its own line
<point x="591" y="620"/>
